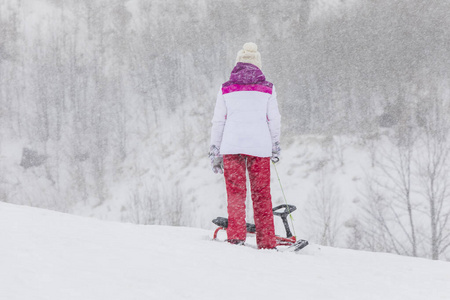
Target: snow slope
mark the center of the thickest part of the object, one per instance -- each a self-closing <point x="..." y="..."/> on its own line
<point x="50" y="255"/>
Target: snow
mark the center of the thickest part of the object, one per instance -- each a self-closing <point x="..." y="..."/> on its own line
<point x="51" y="255"/>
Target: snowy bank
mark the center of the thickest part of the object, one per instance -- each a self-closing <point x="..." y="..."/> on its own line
<point x="50" y="255"/>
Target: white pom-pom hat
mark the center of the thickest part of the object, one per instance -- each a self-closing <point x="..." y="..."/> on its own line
<point x="249" y="54"/>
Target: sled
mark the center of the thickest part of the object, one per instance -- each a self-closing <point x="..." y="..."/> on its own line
<point x="289" y="240"/>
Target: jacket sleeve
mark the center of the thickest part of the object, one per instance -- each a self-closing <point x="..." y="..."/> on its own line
<point x="218" y="121"/>
<point x="274" y="117"/>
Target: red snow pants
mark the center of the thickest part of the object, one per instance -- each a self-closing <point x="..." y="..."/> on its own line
<point x="235" y="166"/>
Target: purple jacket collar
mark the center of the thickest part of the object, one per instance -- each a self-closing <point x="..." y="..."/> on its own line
<point x="245" y="73"/>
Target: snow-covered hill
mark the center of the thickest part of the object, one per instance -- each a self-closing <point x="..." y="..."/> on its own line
<point x="49" y="255"/>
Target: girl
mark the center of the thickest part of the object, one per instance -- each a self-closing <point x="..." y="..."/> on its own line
<point x="244" y="137"/>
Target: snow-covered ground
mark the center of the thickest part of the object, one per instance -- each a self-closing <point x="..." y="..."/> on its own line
<point x="50" y="255"/>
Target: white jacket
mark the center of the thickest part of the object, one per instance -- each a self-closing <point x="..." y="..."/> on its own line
<point x="246" y="120"/>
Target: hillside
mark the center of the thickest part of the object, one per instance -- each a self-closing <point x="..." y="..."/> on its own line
<point x="50" y="255"/>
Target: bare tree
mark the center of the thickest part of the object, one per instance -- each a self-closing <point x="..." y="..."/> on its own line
<point x="355" y="237"/>
<point x="397" y="168"/>
<point x="433" y="173"/>
<point x="144" y="206"/>
<point x="409" y="182"/>
<point x="324" y="211"/>
<point x="382" y="223"/>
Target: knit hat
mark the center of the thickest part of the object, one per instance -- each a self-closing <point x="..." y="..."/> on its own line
<point x="249" y="54"/>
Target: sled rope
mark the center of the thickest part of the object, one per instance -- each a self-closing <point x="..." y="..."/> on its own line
<point x="285" y="200"/>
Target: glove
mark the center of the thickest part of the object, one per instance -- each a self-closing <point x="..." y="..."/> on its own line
<point x="276" y="152"/>
<point x="216" y="159"/>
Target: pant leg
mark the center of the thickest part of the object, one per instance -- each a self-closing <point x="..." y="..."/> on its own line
<point x="235" y="180"/>
<point x="259" y="174"/>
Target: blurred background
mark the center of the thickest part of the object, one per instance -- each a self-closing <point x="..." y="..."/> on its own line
<point x="105" y="110"/>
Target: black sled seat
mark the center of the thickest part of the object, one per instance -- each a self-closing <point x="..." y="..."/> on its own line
<point x="223" y="222"/>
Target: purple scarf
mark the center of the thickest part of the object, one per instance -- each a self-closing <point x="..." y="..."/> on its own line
<point x="247" y="77"/>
